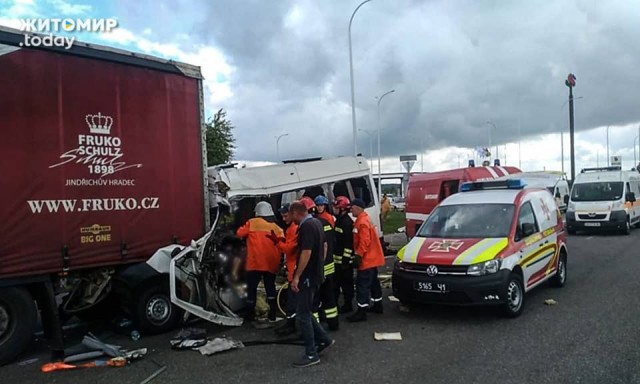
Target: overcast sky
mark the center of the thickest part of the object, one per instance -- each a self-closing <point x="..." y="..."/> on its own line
<point x="282" y="66"/>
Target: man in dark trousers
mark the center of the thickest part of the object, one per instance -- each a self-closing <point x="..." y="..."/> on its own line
<point x="307" y="279"/>
<point x="343" y="254"/>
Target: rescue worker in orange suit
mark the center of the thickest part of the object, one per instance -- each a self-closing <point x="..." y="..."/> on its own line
<point x="343" y="254"/>
<point x="289" y="246"/>
<point x="325" y="301"/>
<point x="263" y="257"/>
<point x="386" y="207"/>
<point x="369" y="256"/>
<point x="322" y="206"/>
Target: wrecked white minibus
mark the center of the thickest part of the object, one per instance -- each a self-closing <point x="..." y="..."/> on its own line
<point x="206" y="276"/>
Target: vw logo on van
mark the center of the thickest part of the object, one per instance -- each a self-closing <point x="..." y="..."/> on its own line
<point x="432" y="270"/>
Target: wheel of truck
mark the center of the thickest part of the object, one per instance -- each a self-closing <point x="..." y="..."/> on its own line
<point x="153" y="310"/>
<point x="17" y="321"/>
<point x="560" y="278"/>
<point x="627" y="227"/>
<point x="514" y="294"/>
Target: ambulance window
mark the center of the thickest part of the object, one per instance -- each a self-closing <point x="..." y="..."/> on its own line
<point x="527" y="216"/>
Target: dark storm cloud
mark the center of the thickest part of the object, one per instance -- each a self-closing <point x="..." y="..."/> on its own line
<point x="454" y="66"/>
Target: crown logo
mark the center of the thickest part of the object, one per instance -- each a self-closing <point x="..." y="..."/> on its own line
<point x="99" y="123"/>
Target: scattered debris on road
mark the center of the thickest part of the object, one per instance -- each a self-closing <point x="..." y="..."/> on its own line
<point x="550" y="302"/>
<point x="154" y="375"/>
<point x="393" y="299"/>
<point x="189" y="338"/>
<point x="387" y="336"/>
<point x="220" y="344"/>
<point x="404" y="308"/>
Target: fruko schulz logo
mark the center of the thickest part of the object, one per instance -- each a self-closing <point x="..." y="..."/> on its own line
<point x="47" y="27"/>
<point x="100" y="151"/>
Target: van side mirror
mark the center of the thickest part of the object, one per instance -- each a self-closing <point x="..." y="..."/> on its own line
<point x="631" y="197"/>
<point x="566" y="199"/>
<point x="527" y="229"/>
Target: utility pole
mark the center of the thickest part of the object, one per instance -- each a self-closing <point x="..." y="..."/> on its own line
<point x="562" y="150"/>
<point x="571" y="82"/>
<point x="608" y="161"/>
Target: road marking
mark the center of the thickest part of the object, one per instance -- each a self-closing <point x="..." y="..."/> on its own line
<point x="590" y="237"/>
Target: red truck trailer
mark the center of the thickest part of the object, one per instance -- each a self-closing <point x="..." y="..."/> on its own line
<point x="103" y="164"/>
<point x="425" y="191"/>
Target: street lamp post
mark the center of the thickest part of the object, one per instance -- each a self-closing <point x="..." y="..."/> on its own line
<point x="368" y="132"/>
<point x="379" y="171"/>
<point x="562" y="134"/>
<point x="490" y="132"/>
<point x="608" y="161"/>
<point x="353" y="95"/>
<point x="571" y="82"/>
<point x="278" y="144"/>
<point x="635" y="161"/>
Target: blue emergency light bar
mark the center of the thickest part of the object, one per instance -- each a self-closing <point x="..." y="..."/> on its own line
<point x="497" y="184"/>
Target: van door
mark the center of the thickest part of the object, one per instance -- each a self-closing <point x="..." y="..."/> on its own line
<point x="547" y="217"/>
<point x="528" y="238"/>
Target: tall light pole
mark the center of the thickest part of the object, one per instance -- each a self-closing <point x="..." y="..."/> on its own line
<point x="379" y="171"/>
<point x="571" y="82"/>
<point x="608" y="164"/>
<point x="368" y="132"/>
<point x="635" y="161"/>
<point x="278" y="144"/>
<point x="490" y="132"/>
<point x="353" y="94"/>
<point x="562" y="134"/>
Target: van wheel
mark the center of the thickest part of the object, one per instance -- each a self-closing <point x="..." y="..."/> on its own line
<point x="514" y="293"/>
<point x="154" y="312"/>
<point x="17" y="322"/>
<point x="560" y="278"/>
<point x="627" y="228"/>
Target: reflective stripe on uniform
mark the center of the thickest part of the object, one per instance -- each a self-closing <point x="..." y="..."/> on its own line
<point x="409" y="254"/>
<point x="337" y="259"/>
<point x="331" y="313"/>
<point x="329" y="268"/>
<point x="485" y="250"/>
<point x="348" y="251"/>
<point x="339" y="230"/>
<point x="317" y="316"/>
<point x="327" y="228"/>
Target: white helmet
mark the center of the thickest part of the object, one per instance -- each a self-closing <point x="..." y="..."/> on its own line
<point x="264" y="209"/>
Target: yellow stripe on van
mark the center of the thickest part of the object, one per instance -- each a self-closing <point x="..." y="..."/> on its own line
<point x="492" y="252"/>
<point x="411" y="250"/>
<point x="475" y="252"/>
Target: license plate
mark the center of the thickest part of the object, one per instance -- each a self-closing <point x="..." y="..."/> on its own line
<point x="422" y="286"/>
<point x="591" y="224"/>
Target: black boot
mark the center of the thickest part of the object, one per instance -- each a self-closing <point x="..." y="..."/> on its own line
<point x="333" y="323"/>
<point x="347" y="307"/>
<point x="377" y="307"/>
<point x="288" y="328"/>
<point x="273" y="309"/>
<point x="360" y="315"/>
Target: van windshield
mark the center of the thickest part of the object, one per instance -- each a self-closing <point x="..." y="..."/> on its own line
<point x="597" y="191"/>
<point x="469" y="221"/>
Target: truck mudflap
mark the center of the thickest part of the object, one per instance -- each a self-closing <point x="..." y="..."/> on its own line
<point x="200" y="282"/>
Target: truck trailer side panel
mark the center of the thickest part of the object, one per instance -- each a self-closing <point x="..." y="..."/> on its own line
<point x="102" y="162"/>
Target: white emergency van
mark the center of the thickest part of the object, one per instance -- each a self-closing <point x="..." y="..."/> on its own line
<point x="554" y="181"/>
<point x="604" y="199"/>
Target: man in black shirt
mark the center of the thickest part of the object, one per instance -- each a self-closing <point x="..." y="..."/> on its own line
<point x="307" y="279"/>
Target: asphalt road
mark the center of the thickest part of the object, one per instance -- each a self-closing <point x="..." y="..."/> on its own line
<point x="591" y="336"/>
